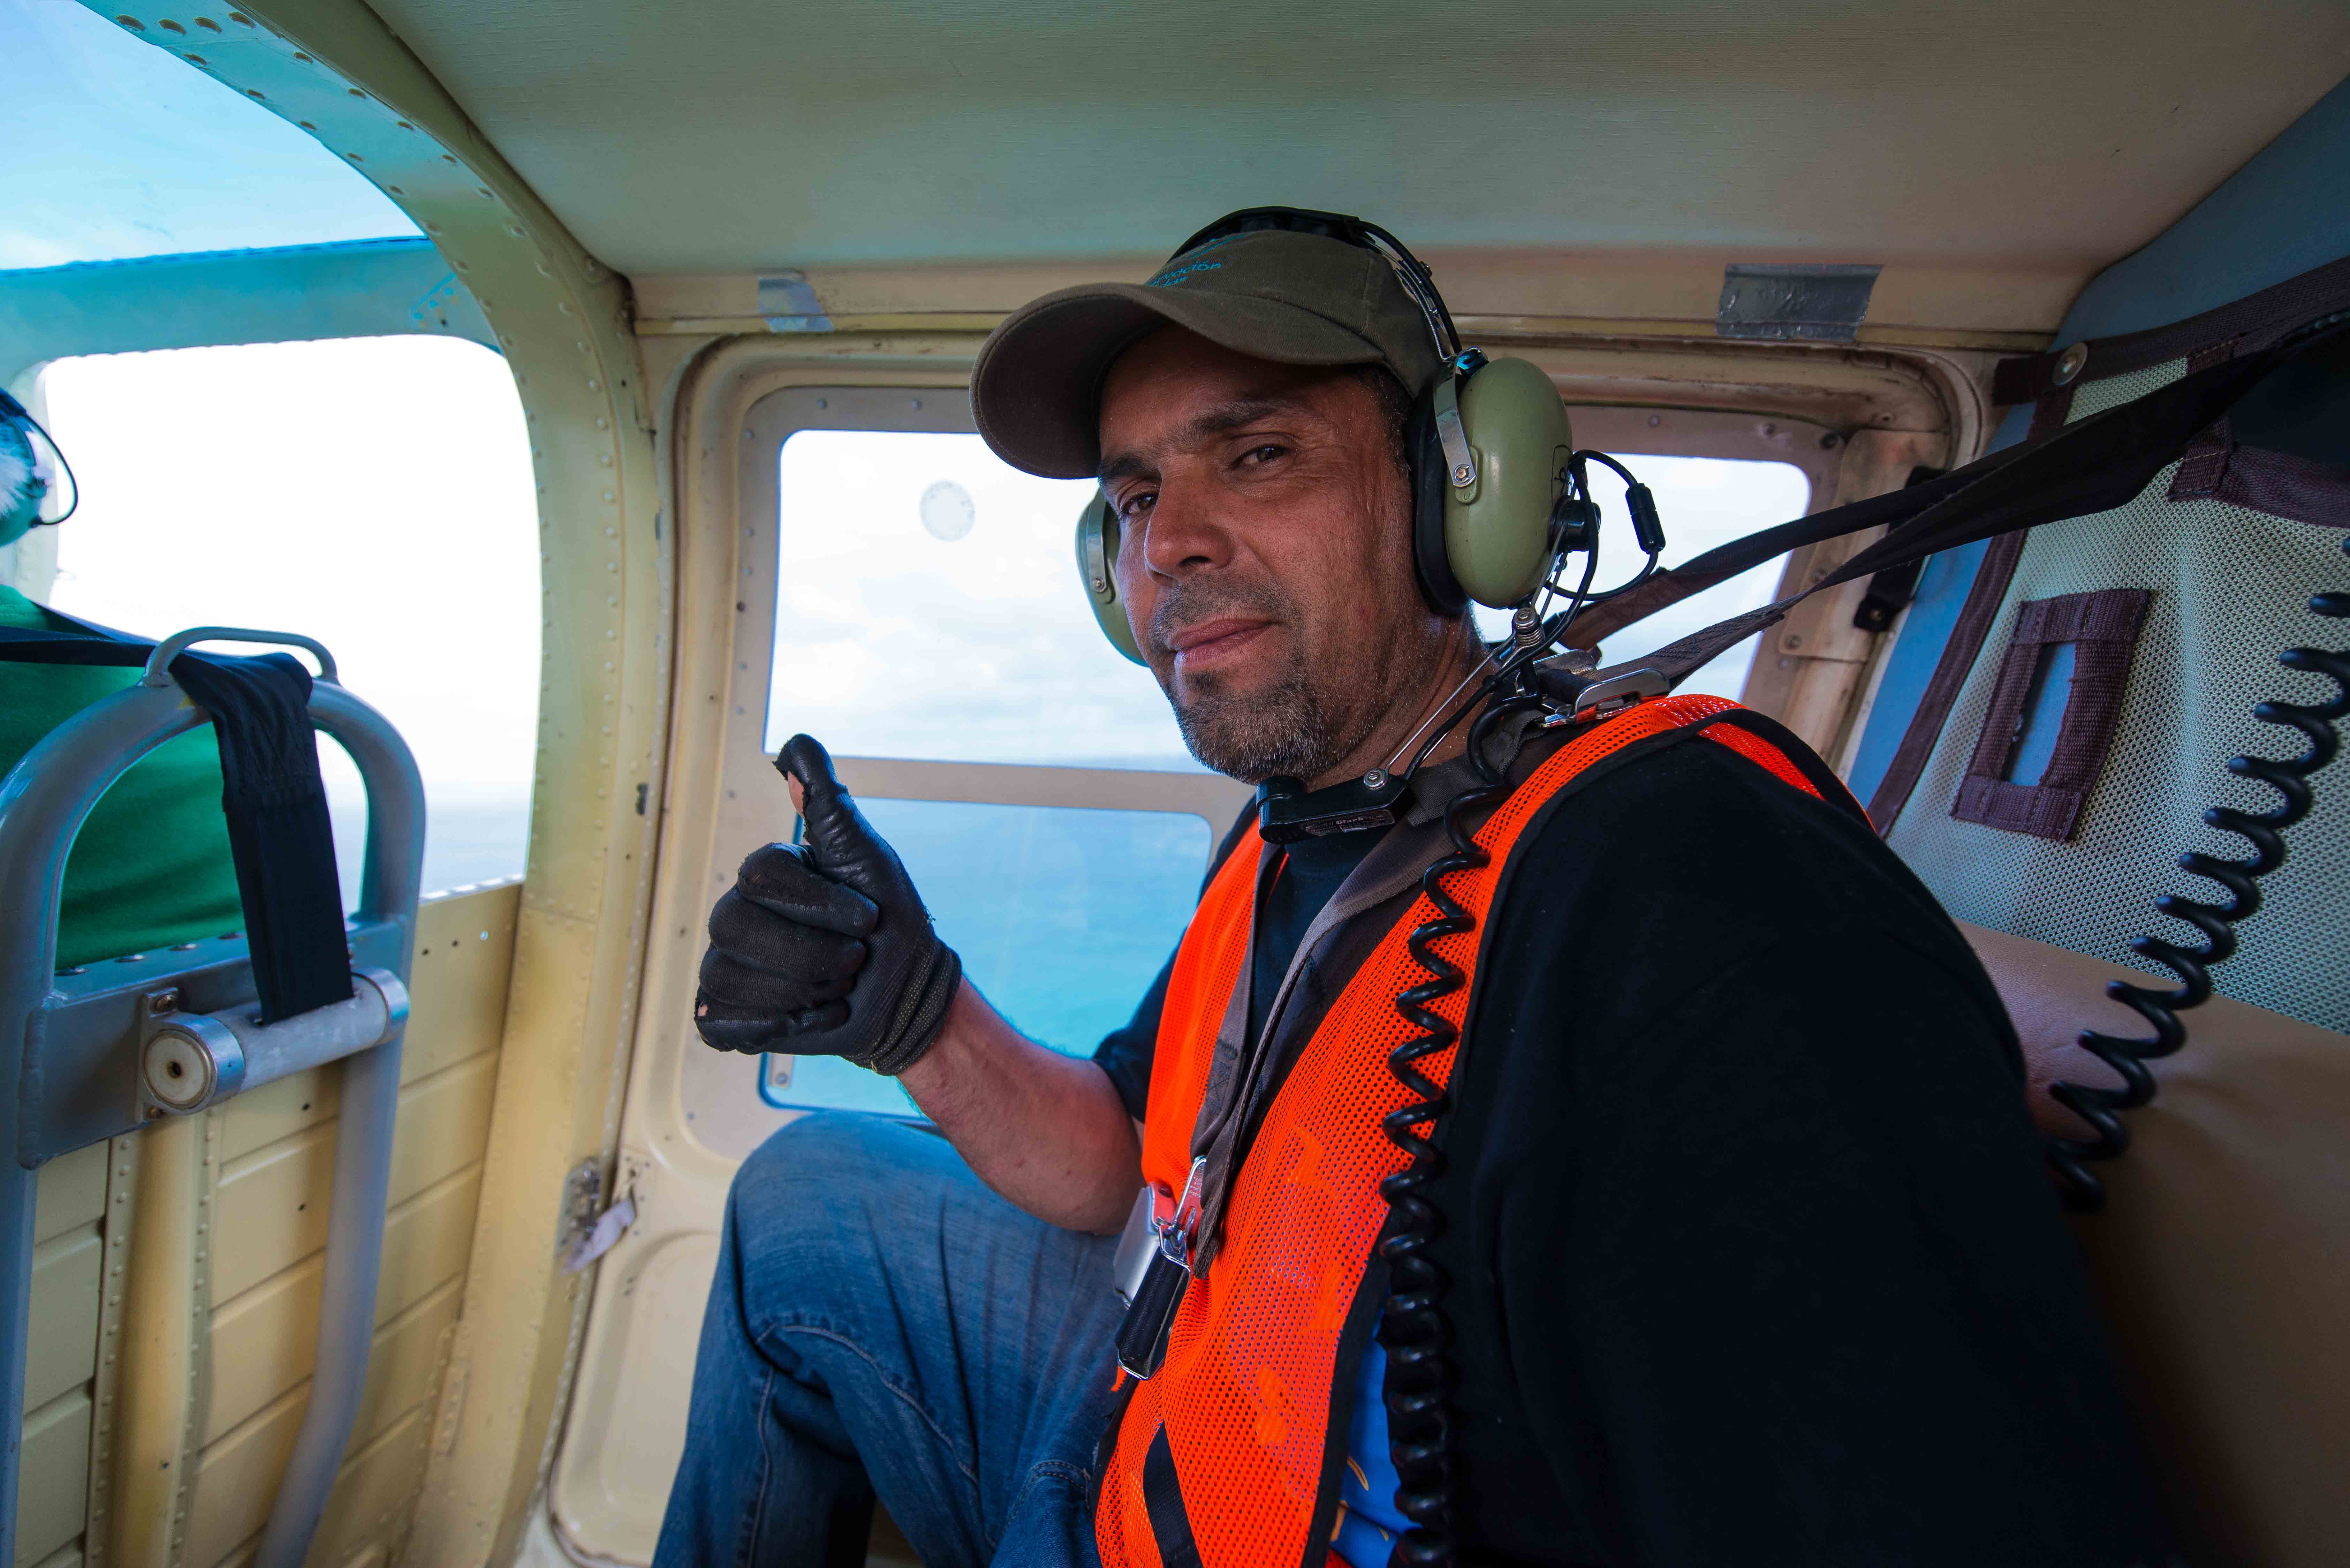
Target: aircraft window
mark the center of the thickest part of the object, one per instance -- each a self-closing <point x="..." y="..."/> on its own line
<point x="375" y="492"/>
<point x="117" y="150"/>
<point x="926" y="607"/>
<point x="1704" y="501"/>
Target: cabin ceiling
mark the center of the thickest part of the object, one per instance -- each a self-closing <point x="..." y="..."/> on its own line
<point x="2014" y="137"/>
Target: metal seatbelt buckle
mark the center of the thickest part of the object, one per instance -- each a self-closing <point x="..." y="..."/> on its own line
<point x="1152" y="1278"/>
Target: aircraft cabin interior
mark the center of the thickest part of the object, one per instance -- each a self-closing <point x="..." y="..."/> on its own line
<point x="579" y="399"/>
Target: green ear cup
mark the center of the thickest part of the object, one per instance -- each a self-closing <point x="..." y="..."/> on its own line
<point x="1497" y="530"/>
<point x="1097" y="564"/>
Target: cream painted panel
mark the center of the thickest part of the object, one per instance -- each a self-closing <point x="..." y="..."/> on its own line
<point x="61" y="1346"/>
<point x="426" y="1237"/>
<point x="235" y="1481"/>
<point x="54" y="1483"/>
<point x="67" y="1557"/>
<point x="273" y="1203"/>
<point x="263" y="1342"/>
<point x="615" y="1485"/>
<point x="374" y="1487"/>
<point x="61" y="1351"/>
<point x="71" y="1191"/>
<point x="278" y="1111"/>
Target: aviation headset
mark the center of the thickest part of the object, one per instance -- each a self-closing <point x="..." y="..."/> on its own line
<point x="1488" y="447"/>
<point x="27" y="492"/>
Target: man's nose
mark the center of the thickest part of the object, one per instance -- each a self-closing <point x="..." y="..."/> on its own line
<point x="1185" y="533"/>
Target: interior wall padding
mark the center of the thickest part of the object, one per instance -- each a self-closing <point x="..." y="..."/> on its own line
<point x="2230" y="591"/>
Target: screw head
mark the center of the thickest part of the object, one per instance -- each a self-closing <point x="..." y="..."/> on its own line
<point x="1376" y="779"/>
<point x="2069" y="364"/>
<point x="1460" y="474"/>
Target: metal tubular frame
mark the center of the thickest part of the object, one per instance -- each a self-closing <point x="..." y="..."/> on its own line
<point x="43" y="804"/>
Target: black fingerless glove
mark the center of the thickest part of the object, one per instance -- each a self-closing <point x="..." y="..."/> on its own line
<point x="825" y="949"/>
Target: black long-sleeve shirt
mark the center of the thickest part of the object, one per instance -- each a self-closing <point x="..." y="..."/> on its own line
<point x="1754" y="1255"/>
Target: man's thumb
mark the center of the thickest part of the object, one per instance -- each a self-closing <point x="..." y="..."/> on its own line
<point x="830" y="825"/>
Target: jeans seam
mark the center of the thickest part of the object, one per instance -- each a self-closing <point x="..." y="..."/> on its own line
<point x="904" y="1396"/>
<point x="755" y="1517"/>
<point x="1077" y="1473"/>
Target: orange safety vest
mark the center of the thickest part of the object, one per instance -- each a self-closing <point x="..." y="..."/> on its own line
<point x="1242" y="1398"/>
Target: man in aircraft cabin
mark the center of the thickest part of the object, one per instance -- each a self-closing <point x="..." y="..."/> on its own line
<point x="1734" y="1244"/>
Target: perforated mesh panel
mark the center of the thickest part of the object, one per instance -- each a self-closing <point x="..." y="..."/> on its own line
<point x="2230" y="590"/>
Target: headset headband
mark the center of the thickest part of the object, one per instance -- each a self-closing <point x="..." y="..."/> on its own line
<point x="1409" y="270"/>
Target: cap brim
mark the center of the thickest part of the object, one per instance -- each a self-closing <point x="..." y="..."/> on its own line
<point x="1036" y="391"/>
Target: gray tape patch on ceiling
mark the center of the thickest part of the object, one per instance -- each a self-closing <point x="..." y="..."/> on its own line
<point x="1821" y="302"/>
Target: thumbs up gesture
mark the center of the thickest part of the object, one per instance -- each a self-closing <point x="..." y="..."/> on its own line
<point x="825" y="949"/>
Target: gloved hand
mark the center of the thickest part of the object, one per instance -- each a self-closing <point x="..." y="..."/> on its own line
<point x="825" y="949"/>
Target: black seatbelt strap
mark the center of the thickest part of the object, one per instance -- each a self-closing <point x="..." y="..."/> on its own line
<point x="2094" y="464"/>
<point x="1163" y="1498"/>
<point x="278" y="831"/>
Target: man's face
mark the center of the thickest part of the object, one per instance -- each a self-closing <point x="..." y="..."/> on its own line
<point x="1265" y="553"/>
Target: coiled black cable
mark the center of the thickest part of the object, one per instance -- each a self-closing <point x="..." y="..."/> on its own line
<point x="2101" y="1107"/>
<point x="1413" y="1328"/>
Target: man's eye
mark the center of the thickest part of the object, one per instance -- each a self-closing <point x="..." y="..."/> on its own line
<point x="1134" y="505"/>
<point x="1265" y="454"/>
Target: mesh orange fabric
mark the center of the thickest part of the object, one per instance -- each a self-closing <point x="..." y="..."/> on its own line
<point x="1244" y="1392"/>
<point x="1207" y="967"/>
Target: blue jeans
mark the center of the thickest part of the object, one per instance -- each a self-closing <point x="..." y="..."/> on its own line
<point x="883" y="1325"/>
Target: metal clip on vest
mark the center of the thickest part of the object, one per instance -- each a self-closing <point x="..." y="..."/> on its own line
<point x="89" y="1056"/>
<point x="1582" y="692"/>
<point x="1165" y="1261"/>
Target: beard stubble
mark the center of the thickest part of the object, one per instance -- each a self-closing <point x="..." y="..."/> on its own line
<point x="1306" y="720"/>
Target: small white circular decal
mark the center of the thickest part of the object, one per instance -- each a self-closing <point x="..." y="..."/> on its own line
<point x="947" y="510"/>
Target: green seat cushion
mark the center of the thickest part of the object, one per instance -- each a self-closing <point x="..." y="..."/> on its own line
<point x="151" y="865"/>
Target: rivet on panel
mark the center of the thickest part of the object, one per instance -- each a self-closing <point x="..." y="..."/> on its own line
<point x="240" y="18"/>
<point x="208" y="25"/>
<point x="133" y="23"/>
<point x="195" y="60"/>
<point x="607" y="460"/>
<point x="355" y="92"/>
<point x="255" y="93"/>
<point x="172" y="27"/>
<point x="395" y="191"/>
<point x="447" y="157"/>
<point x="303" y="57"/>
<point x="608" y="495"/>
<point x="308" y="125"/>
<point x="354" y="157"/>
<point x="484" y="193"/>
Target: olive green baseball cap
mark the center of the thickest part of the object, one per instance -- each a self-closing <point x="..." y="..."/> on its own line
<point x="1292" y="298"/>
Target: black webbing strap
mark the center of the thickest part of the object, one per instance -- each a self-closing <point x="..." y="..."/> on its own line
<point x="1163" y="1498"/>
<point x="2092" y="465"/>
<point x="278" y="832"/>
